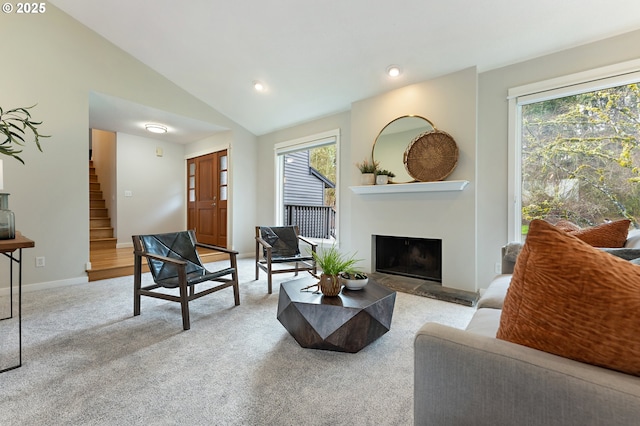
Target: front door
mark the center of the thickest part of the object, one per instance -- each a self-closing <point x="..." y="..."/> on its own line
<point x="207" y="178"/>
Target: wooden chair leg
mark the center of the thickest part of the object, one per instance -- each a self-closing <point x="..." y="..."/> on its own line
<point x="236" y="292"/>
<point x="257" y="257"/>
<point x="137" y="283"/>
<point x="234" y="277"/>
<point x="184" y="299"/>
<point x="269" y="272"/>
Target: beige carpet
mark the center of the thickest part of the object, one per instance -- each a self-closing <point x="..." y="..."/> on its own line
<point x="88" y="361"/>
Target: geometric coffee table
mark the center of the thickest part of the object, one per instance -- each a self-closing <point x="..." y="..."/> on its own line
<point x="347" y="322"/>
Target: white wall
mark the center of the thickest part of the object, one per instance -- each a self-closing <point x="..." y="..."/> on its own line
<point x="157" y="186"/>
<point x="56" y="62"/>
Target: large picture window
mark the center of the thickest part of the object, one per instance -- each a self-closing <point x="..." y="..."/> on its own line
<point x="576" y="153"/>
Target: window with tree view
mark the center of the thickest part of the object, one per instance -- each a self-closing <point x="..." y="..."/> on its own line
<point x="309" y="194"/>
<point x="581" y="157"/>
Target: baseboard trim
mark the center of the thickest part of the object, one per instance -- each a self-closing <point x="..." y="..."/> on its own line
<point x="47" y="285"/>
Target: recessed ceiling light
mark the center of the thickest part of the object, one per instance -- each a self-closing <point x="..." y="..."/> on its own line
<point x="155" y="128"/>
<point x="258" y="86"/>
<point x="393" y="71"/>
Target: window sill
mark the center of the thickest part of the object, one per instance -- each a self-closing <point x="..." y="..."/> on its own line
<point x="397" y="188"/>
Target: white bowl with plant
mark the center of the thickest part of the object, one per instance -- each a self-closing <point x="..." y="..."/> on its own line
<point x="354" y="280"/>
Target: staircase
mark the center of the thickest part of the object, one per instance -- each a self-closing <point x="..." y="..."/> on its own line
<point x="106" y="260"/>
<point x="100" y="229"/>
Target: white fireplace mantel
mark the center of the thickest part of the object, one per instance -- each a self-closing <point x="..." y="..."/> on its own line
<point x="396" y="188"/>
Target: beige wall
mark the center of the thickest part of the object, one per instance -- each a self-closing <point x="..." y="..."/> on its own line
<point x="452" y="108"/>
<point x="65" y="61"/>
<point x="266" y="162"/>
<point x="450" y="103"/>
<point x="56" y="62"/>
<point x="156" y="185"/>
<point x="493" y="130"/>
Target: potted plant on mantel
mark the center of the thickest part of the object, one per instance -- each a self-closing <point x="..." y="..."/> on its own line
<point x="332" y="263"/>
<point x="368" y="170"/>
<point x="14" y="124"/>
<point x="384" y="176"/>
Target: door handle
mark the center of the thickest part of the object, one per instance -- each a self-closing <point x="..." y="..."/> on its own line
<point x="214" y="201"/>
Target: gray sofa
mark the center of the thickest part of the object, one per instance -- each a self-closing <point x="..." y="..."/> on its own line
<point x="468" y="377"/>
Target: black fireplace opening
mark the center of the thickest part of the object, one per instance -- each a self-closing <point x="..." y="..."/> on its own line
<point x="408" y="256"/>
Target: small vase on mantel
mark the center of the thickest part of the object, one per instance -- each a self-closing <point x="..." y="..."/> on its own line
<point x="382" y="179"/>
<point x="367" y="179"/>
<point x="7" y="219"/>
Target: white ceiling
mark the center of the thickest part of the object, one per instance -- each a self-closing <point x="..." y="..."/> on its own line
<point x="317" y="57"/>
<point x="116" y="114"/>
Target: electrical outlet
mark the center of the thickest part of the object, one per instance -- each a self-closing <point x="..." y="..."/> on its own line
<point x="40" y="262"/>
<point x="498" y="268"/>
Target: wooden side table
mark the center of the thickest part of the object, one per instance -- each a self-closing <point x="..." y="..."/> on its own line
<point x="9" y="248"/>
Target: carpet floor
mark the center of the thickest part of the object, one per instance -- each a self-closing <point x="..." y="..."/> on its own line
<point x="88" y="361"/>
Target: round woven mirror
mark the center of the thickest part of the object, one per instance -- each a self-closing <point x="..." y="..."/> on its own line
<point x="392" y="141"/>
<point x="431" y="156"/>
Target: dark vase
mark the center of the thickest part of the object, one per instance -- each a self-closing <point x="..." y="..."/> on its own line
<point x="330" y="285"/>
<point x="7" y="219"/>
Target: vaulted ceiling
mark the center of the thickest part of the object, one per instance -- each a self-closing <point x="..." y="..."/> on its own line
<point x="317" y="57"/>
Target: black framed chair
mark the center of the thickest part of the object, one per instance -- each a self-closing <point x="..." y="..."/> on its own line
<point x="174" y="263"/>
<point x="278" y="251"/>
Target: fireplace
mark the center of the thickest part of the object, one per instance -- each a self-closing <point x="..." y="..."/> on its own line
<point x="408" y="256"/>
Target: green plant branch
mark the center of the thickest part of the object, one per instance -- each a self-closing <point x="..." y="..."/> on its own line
<point x="14" y="126"/>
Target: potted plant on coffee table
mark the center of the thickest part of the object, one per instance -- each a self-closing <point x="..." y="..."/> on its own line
<point x="332" y="262"/>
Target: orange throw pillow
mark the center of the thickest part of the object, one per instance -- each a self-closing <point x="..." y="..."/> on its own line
<point x="610" y="234"/>
<point x="567" y="226"/>
<point x="573" y="300"/>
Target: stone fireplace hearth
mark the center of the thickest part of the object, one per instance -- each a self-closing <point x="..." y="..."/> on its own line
<point x="414" y="265"/>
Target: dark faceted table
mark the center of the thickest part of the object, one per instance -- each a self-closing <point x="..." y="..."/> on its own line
<point x="347" y="322"/>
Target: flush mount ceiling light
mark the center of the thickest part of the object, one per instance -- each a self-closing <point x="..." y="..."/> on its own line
<point x="155" y="128"/>
<point x="259" y="86"/>
<point x="393" y="71"/>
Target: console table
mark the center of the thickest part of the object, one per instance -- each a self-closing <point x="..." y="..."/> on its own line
<point x="8" y="248"/>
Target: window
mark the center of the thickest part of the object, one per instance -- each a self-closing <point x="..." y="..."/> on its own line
<point x="307" y="178"/>
<point x="576" y="150"/>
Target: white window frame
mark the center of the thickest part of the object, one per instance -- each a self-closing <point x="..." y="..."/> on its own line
<point x="317" y="140"/>
<point x="573" y="84"/>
